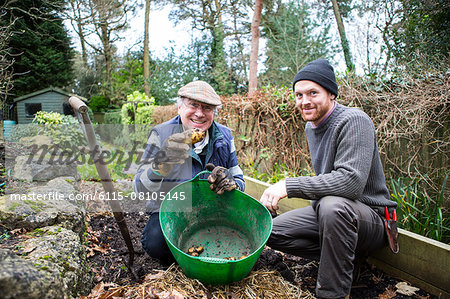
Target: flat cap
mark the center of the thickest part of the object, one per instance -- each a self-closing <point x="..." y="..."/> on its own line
<point x="200" y="91"/>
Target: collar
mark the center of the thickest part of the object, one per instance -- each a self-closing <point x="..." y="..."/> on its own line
<point x="326" y="117"/>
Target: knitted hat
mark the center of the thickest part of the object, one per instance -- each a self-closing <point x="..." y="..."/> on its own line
<point x="319" y="71"/>
<point x="200" y="91"/>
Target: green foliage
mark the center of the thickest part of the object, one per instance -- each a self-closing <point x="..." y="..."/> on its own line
<point x="26" y="130"/>
<point x="279" y="172"/>
<point x="418" y="212"/>
<point x="41" y="47"/>
<point x="116" y="169"/>
<point x="98" y="103"/>
<point x="219" y="72"/>
<point x="48" y="118"/>
<point x="64" y="130"/>
<point x="144" y="115"/>
<point x="137" y="108"/>
<point x="292" y="41"/>
<point x="113" y="117"/>
<point x="422" y="30"/>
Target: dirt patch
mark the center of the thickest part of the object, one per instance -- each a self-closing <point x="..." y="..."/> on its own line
<point x="109" y="258"/>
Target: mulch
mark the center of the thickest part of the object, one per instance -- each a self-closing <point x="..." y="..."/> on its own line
<point x="109" y="257"/>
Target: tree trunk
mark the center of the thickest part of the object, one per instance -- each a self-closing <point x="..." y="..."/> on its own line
<point x="146" y="49"/>
<point x="83" y="43"/>
<point x="344" y="41"/>
<point x="106" y="52"/>
<point x="253" y="78"/>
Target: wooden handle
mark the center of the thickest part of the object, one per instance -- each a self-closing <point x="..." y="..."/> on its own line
<point x="78" y="105"/>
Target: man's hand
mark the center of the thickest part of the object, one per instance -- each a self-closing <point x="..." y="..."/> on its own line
<point x="273" y="194"/>
<point x="175" y="150"/>
<point x="220" y="179"/>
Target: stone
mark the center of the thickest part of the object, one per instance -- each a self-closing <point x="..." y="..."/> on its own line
<point x="52" y="264"/>
<point x="54" y="203"/>
<point x="19" y="278"/>
<point x="31" y="169"/>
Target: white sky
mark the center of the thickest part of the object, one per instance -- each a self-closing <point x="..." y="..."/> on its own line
<point x="164" y="34"/>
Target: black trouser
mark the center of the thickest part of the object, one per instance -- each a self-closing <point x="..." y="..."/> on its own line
<point x="153" y="241"/>
<point x="334" y="232"/>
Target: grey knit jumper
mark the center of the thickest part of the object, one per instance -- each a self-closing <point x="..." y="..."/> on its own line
<point x="344" y="154"/>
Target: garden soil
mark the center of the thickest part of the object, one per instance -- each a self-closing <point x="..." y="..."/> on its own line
<point x="109" y="257"/>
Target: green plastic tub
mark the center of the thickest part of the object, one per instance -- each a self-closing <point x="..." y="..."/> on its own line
<point x="232" y="225"/>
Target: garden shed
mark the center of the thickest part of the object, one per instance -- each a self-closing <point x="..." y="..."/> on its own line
<point x="50" y="99"/>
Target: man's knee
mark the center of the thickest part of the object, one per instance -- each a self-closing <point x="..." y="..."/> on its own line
<point x="330" y="205"/>
<point x="153" y="239"/>
<point x="332" y="209"/>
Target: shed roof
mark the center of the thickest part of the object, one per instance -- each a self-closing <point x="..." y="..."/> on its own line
<point x="51" y="88"/>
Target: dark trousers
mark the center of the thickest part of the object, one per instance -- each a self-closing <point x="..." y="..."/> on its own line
<point x="153" y="241"/>
<point x="335" y="232"/>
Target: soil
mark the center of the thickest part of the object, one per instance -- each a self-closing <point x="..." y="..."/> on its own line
<point x="110" y="265"/>
<point x="108" y="254"/>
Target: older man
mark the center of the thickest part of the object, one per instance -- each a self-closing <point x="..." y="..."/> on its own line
<point x="169" y="159"/>
<point x="348" y="193"/>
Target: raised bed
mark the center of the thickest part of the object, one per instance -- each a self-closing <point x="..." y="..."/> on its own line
<point x="421" y="261"/>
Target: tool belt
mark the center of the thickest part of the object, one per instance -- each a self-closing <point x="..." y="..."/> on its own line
<point x="390" y="225"/>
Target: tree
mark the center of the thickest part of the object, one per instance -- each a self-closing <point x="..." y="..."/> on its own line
<point x="213" y="17"/>
<point x="41" y="47"/>
<point x="6" y="60"/>
<point x="78" y="15"/>
<point x="344" y="41"/>
<point x="423" y="29"/>
<point x="146" y="48"/>
<point x="292" y="41"/>
<point x="109" y="18"/>
<point x="253" y="67"/>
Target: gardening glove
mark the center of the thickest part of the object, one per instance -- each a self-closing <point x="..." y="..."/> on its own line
<point x="175" y="150"/>
<point x="221" y="179"/>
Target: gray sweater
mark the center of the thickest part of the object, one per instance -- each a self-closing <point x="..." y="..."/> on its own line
<point x="344" y="154"/>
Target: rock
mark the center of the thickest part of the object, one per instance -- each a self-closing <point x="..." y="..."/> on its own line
<point x="54" y="203"/>
<point x="32" y="169"/>
<point x="21" y="279"/>
<point x="52" y="265"/>
<point x="60" y="251"/>
<point x="38" y="140"/>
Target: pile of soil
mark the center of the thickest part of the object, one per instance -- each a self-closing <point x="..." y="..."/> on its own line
<point x="109" y="257"/>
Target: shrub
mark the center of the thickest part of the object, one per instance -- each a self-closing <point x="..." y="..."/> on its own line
<point x="144" y="115"/>
<point x="135" y="102"/>
<point x="64" y="130"/>
<point x="98" y="103"/>
<point x="113" y="117"/>
<point x="48" y="118"/>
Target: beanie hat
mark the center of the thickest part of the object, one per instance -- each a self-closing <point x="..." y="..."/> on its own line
<point x="319" y="71"/>
<point x="200" y="91"/>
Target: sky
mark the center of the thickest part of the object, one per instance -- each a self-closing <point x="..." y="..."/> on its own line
<point x="164" y="34"/>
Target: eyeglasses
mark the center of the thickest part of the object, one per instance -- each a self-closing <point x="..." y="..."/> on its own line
<point x="193" y="105"/>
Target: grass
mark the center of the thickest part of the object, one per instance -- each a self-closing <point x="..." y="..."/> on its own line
<point x="89" y="172"/>
<point x="280" y="172"/>
<point x="419" y="213"/>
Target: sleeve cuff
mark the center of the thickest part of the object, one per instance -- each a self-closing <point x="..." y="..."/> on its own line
<point x="292" y="188"/>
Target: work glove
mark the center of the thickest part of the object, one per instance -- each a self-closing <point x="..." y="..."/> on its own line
<point x="221" y="179"/>
<point x="175" y="150"/>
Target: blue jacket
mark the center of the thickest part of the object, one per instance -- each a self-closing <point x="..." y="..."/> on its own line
<point x="220" y="151"/>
